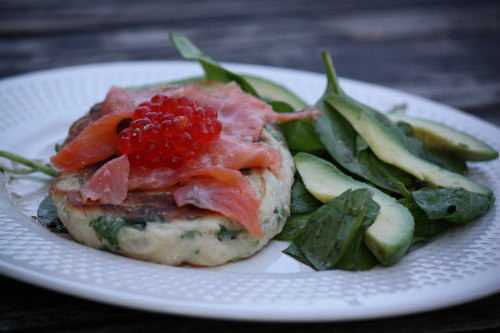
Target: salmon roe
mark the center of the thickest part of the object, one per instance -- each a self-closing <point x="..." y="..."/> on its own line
<point x="168" y="132"/>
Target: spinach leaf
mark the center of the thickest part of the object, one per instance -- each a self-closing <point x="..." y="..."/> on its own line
<point x="294" y="252"/>
<point x="46" y="215"/>
<point x="293" y="226"/>
<point x="454" y="205"/>
<point x="302" y="200"/>
<point x="107" y="228"/>
<point x="347" y="148"/>
<point x="334" y="229"/>
<point x="357" y="256"/>
<point x="436" y="210"/>
<point x="425" y="229"/>
<point x="213" y="71"/>
<point x="299" y="134"/>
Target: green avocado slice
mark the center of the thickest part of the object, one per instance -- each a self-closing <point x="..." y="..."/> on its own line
<point x="447" y="139"/>
<point x="388" y="144"/>
<point x="390" y="236"/>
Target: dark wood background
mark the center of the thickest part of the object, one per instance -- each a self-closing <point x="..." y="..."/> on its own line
<point x="445" y="50"/>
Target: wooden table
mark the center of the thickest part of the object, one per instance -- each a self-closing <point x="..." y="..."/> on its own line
<point x="445" y="50"/>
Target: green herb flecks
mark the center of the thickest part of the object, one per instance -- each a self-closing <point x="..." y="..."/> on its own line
<point x="225" y="234"/>
<point x="281" y="214"/>
<point x="107" y="228"/>
<point x="190" y="234"/>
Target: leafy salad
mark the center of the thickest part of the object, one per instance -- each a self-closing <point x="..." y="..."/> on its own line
<point x="369" y="184"/>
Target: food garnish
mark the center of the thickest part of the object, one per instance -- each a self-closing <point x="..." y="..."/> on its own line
<point x="168" y="132"/>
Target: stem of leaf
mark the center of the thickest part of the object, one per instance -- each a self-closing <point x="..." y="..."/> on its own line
<point x="331" y="75"/>
<point x="25" y="171"/>
<point x="34" y="166"/>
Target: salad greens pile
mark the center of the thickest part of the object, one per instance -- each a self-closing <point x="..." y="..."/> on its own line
<point x="331" y="235"/>
<point x="420" y="171"/>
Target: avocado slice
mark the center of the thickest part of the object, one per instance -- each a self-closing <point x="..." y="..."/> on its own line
<point x="388" y="144"/>
<point x="390" y="236"/>
<point x="442" y="137"/>
<point x="273" y="91"/>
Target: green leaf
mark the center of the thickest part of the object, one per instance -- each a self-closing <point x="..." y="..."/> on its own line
<point x="357" y="257"/>
<point x="425" y="229"/>
<point x="294" y="252"/>
<point x="47" y="216"/>
<point x="107" y="228"/>
<point x="454" y="205"/>
<point x="302" y="200"/>
<point x="186" y="48"/>
<point x="293" y="227"/>
<point x="213" y="71"/>
<point x="334" y="229"/>
<point x="299" y="134"/>
<point x="347" y="148"/>
<point x="436" y="210"/>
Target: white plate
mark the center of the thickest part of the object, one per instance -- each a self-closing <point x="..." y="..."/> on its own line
<point x="36" y="111"/>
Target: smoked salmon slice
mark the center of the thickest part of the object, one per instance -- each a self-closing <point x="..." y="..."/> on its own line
<point x="95" y="143"/>
<point x="237" y="202"/>
<point x="109" y="184"/>
<point x="162" y="179"/>
<point x="122" y="100"/>
<point x="224" y="157"/>
<point x="117" y="100"/>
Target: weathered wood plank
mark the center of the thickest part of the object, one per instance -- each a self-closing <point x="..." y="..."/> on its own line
<point x="445" y="53"/>
<point x="49" y="16"/>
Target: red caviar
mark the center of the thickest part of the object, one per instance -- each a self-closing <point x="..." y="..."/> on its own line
<point x="168" y="132"/>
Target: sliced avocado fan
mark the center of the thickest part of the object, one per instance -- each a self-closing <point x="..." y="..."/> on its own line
<point x="389" y="144"/>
